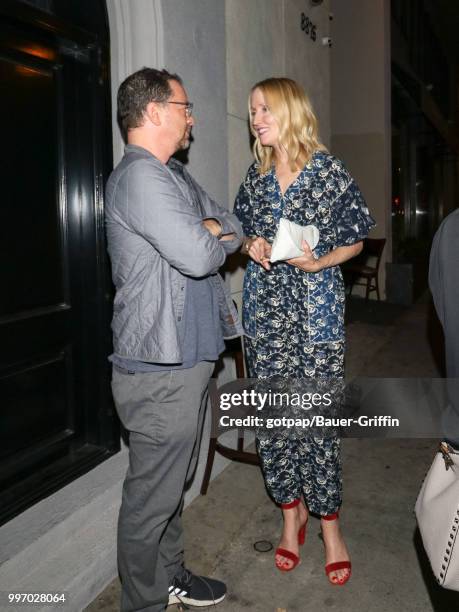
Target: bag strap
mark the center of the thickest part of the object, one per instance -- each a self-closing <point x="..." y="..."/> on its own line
<point x="446" y="451"/>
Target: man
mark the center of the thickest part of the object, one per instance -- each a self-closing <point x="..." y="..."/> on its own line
<point x="166" y="239"/>
<point x="444" y="285"/>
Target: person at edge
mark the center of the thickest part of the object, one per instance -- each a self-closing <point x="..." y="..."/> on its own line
<point x="293" y="311"/>
<point x="444" y="285"/>
<point x="166" y="240"/>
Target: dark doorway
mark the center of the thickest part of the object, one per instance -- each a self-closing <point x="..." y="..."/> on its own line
<point x="56" y="416"/>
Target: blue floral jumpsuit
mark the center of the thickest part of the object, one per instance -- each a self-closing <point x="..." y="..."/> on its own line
<point x="294" y="320"/>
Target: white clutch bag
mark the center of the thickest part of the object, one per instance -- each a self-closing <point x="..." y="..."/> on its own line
<point x="288" y="239"/>
<point x="437" y="513"/>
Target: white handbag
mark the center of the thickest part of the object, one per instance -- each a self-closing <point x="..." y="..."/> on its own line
<point x="437" y="513"/>
<point x="288" y="238"/>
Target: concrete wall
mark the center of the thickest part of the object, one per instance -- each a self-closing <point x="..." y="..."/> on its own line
<point x="360" y="103"/>
<point x="307" y="61"/>
<point x="195" y="48"/>
<point x="136" y="40"/>
<point x="66" y="542"/>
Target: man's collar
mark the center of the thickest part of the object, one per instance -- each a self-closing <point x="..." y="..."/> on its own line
<point x="175" y="163"/>
<point x="133" y="148"/>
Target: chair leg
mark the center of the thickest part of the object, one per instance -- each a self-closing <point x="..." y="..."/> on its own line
<point x="351" y="285"/>
<point x="209" y="465"/>
<point x="239" y="360"/>
<point x="377" y="287"/>
<point x="240" y="439"/>
<point x="367" y="292"/>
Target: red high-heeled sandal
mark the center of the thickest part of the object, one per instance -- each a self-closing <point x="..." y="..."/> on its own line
<point x="284" y="552"/>
<point x="337" y="565"/>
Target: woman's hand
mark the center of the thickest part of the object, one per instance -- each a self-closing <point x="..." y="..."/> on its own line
<point x="334" y="258"/>
<point x="306" y="262"/>
<point x="259" y="250"/>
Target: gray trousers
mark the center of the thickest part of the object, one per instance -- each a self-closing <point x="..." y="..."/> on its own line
<point x="163" y="413"/>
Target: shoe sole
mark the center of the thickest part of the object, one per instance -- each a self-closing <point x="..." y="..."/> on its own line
<point x="173" y="599"/>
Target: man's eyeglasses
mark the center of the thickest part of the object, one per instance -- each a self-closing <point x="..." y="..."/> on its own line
<point x="188" y="106"/>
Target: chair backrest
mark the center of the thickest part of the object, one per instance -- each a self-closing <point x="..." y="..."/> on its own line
<point x="374" y="247"/>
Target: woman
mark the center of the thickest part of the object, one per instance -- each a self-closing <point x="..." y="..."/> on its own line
<point x="293" y="311"/>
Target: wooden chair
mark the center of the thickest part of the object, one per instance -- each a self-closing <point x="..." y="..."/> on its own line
<point x="233" y="349"/>
<point x="359" y="266"/>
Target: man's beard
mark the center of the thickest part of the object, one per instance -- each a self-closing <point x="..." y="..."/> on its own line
<point x="185" y="142"/>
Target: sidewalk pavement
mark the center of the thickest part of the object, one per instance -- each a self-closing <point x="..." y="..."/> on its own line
<point x="381" y="481"/>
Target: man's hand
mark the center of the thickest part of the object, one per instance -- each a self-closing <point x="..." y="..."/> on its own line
<point x="213" y="226"/>
<point x="259" y="250"/>
<point x="227" y="237"/>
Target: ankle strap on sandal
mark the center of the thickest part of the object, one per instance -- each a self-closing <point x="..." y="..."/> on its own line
<point x="292" y="504"/>
<point x="331" y="517"/>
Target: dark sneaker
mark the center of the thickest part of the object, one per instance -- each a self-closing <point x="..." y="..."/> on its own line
<point x="194" y="590"/>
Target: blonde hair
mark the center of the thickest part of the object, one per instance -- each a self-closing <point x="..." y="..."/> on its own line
<point x="298" y="125"/>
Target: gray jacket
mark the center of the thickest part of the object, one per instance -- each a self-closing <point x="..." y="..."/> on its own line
<point x="156" y="238"/>
<point x="444" y="285"/>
